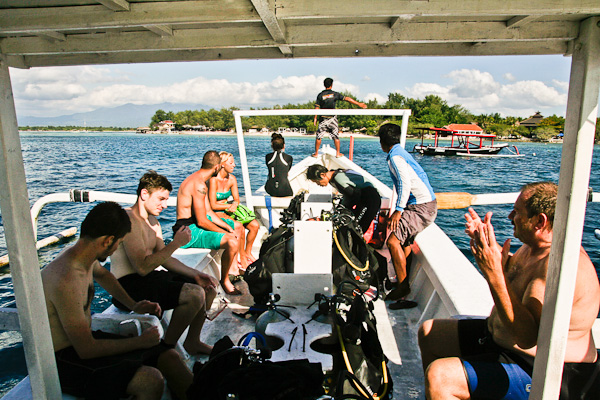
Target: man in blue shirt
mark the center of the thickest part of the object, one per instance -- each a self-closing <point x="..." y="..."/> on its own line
<point x="414" y="210"/>
<point x="326" y="100"/>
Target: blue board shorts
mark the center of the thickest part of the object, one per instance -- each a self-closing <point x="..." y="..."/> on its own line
<point x="203" y="239"/>
<point x="493" y="372"/>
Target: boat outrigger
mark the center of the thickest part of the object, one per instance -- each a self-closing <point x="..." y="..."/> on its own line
<point x="83" y="32"/>
<point x="461" y="144"/>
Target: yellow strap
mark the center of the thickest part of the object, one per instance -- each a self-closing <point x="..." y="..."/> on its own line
<point x="337" y="243"/>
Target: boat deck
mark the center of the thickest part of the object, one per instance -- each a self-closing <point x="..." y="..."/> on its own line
<point x="407" y="373"/>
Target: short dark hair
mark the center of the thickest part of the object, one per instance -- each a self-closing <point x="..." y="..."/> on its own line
<point x="210" y="159"/>
<point x="389" y="134"/>
<point x="328" y="82"/>
<point x="152" y="180"/>
<point x="314" y="172"/>
<point x="540" y="198"/>
<point x="106" y="219"/>
<point x="277" y="141"/>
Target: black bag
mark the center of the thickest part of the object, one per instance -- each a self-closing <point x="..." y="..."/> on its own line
<point x="275" y="257"/>
<point x="239" y="371"/>
<point x="275" y="254"/>
<point x="361" y="358"/>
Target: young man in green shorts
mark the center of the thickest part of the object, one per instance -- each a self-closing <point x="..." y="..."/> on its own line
<point x="208" y="231"/>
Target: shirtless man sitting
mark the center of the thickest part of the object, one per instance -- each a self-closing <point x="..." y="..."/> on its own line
<point x="493" y="358"/>
<point x="186" y="291"/>
<point x="97" y="365"/>
<point x="207" y="229"/>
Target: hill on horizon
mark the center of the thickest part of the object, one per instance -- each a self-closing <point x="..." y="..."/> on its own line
<point x="125" y="116"/>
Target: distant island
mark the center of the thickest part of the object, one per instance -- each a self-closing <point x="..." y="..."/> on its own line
<point x="431" y="111"/>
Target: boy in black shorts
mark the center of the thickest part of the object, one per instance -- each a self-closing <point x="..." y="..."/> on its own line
<point x="96" y="365"/>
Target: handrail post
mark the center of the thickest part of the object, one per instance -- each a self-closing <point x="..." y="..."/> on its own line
<point x="25" y="270"/>
<point x="576" y="161"/>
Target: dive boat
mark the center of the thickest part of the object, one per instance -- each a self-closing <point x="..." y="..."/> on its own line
<point x="444" y="283"/>
<point x="461" y="144"/>
<point x="78" y="32"/>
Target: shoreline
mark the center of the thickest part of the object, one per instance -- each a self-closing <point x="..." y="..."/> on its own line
<point x="208" y="133"/>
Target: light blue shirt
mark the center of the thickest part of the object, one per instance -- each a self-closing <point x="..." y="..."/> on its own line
<point x="410" y="180"/>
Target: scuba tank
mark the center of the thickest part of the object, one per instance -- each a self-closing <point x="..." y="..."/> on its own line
<point x="272" y="315"/>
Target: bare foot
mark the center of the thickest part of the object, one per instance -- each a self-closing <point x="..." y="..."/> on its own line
<point x="197" y="348"/>
<point x="338" y="155"/>
<point x="315" y="155"/>
<point x="229" y="288"/>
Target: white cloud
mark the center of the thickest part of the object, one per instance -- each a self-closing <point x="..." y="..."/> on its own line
<point x="480" y="93"/>
<point x="59" y="91"/>
<point x="366" y="78"/>
<point x="562" y="85"/>
<point x="376" y="96"/>
<point x="471" y="81"/>
<point x="509" y="77"/>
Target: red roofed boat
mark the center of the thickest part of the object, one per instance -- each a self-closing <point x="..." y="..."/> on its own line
<point x="465" y="140"/>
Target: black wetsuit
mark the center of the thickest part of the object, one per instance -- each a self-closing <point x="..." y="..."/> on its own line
<point x="279" y="164"/>
<point x="360" y="196"/>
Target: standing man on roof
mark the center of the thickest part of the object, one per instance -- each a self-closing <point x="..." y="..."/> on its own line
<point x="493" y="358"/>
<point x="326" y="100"/>
<point x="415" y="208"/>
<point x="184" y="290"/>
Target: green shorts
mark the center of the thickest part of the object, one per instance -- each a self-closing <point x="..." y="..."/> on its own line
<point x="203" y="239"/>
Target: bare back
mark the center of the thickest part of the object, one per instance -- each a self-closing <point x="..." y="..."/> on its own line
<point x="190" y="193"/>
<point x="69" y="290"/>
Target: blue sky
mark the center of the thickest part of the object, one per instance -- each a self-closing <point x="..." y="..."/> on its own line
<point x="515" y="85"/>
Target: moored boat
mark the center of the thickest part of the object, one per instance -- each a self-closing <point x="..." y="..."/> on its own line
<point x="461" y="144"/>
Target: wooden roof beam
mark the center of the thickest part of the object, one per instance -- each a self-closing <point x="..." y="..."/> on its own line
<point x="115" y="5"/>
<point x="52" y="36"/>
<point x="249" y="53"/>
<point x="275" y="27"/>
<point x="253" y="35"/>
<point x="395" y="22"/>
<point x="519" y="20"/>
<point x="63" y="19"/>
<point x="294" y="9"/>
<point x="160" y="30"/>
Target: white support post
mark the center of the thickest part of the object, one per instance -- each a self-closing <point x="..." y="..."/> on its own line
<point x="404" y="128"/>
<point x="24" y="264"/>
<point x="576" y="161"/>
<point x="237" y="117"/>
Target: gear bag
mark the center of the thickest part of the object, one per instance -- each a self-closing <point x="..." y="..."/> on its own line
<point x="276" y="254"/>
<point x="244" y="373"/>
<point x="360" y="366"/>
<point x="352" y="259"/>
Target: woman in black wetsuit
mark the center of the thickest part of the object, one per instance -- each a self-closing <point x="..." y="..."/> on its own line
<point x="279" y="164"/>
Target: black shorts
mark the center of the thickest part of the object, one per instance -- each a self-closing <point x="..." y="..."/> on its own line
<point x="102" y="377"/>
<point x="162" y="287"/>
<point x="494" y="372"/>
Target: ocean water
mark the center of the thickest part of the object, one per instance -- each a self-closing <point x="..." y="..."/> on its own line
<point x="57" y="162"/>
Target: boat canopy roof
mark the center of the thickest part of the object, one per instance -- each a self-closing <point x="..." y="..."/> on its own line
<point x="445" y="131"/>
<point x="37" y="33"/>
